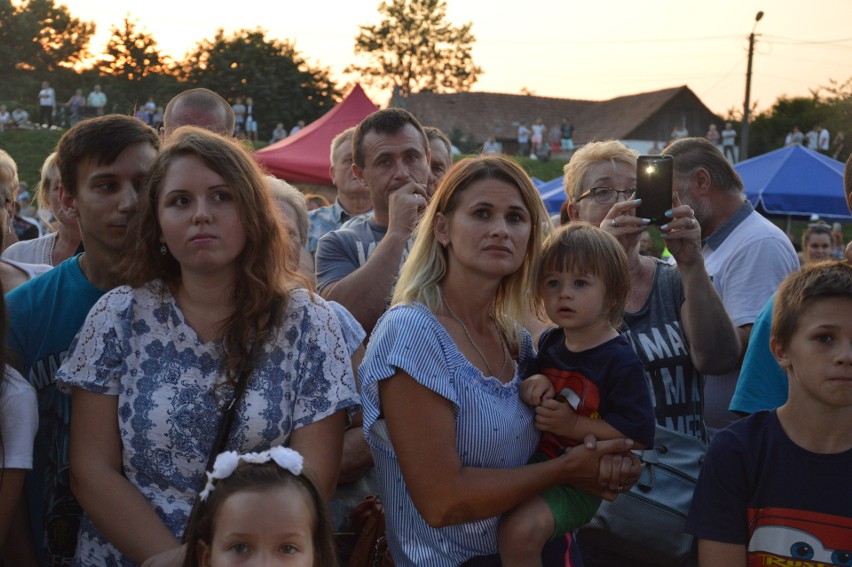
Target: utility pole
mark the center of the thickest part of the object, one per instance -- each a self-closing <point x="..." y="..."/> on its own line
<point x="747" y="103"/>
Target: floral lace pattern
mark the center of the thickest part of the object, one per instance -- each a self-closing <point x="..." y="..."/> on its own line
<point x="136" y="345"/>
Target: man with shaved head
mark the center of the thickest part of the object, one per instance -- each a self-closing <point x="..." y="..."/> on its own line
<point x="198" y="107"/>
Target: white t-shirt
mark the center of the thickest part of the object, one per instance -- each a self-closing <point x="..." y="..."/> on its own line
<point x="824" y="139"/>
<point x="18" y="421"/>
<point x="47" y="97"/>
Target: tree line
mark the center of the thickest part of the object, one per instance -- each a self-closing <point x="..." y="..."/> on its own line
<point x="412" y="49"/>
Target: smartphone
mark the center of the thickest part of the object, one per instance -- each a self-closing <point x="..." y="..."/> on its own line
<point x="654" y="187"/>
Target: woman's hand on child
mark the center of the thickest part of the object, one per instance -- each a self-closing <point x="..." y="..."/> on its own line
<point x="556" y="417"/>
<point x="535" y="389"/>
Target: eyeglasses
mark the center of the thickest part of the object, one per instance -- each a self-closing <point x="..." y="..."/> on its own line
<point x="607" y="195"/>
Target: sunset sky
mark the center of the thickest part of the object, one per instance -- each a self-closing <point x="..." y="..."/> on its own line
<point x="593" y="49"/>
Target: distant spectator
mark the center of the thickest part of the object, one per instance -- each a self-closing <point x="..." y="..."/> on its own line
<point x="538" y="129"/>
<point x="492" y="146"/>
<point x="524" y="140"/>
<point x="21" y="119"/>
<point x="838" y="144"/>
<point x="554" y="138"/>
<point x="729" y="139"/>
<point x="279" y="133"/>
<point x="5" y="118"/>
<point x="157" y="118"/>
<point x="567" y="135"/>
<point x="198" y="107"/>
<point x="316" y="201"/>
<point x="251" y="123"/>
<point x="25" y="228"/>
<point x="713" y="135"/>
<point x="812" y="138"/>
<point x="796" y="137"/>
<point x="142" y="114"/>
<point x="656" y="148"/>
<point x="151" y="106"/>
<point x="299" y="125"/>
<point x="97" y="100"/>
<point x="239" y="116"/>
<point x="679" y="132"/>
<point x="75" y="106"/>
<point x="46" y="105"/>
<point x="824" y="140"/>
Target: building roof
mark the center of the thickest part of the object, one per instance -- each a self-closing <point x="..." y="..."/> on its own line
<point x="481" y="115"/>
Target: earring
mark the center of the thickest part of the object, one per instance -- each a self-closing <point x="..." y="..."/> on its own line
<point x="163" y="249"/>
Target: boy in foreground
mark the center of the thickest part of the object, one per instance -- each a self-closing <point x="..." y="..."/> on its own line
<point x="774" y="489"/>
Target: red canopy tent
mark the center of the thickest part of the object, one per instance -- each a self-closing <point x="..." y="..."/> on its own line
<point x="304" y="156"/>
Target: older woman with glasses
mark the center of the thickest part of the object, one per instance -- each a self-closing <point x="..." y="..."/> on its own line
<point x="674" y="318"/>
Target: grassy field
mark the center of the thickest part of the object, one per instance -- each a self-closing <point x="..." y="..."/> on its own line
<point x="29" y="148"/>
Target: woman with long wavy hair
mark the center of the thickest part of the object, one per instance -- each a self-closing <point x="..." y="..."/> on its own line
<point x="211" y="301"/>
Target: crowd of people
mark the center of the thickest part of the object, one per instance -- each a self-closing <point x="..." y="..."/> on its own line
<point x="200" y="369"/>
<point x="52" y="113"/>
<point x="538" y="141"/>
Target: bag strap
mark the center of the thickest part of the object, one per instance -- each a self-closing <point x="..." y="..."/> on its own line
<point x="227" y="421"/>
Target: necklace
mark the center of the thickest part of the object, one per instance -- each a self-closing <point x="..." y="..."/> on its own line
<point x="478" y="350"/>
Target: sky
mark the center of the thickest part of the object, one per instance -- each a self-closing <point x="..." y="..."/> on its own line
<point x="590" y="49"/>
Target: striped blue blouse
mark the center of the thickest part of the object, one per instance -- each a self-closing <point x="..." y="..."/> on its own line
<point x="494" y="428"/>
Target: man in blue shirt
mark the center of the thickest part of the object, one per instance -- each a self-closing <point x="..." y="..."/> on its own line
<point x="353" y="197"/>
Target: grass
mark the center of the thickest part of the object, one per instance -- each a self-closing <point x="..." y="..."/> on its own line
<point x="29" y="148"/>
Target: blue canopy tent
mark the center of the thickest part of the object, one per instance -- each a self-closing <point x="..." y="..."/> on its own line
<point x="795" y="181"/>
<point x="553" y="195"/>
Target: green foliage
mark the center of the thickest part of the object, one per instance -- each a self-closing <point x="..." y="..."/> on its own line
<point x="414" y="49"/>
<point x="39" y="36"/>
<point x="827" y="106"/>
<point x="283" y="86"/>
<point x="133" y="69"/>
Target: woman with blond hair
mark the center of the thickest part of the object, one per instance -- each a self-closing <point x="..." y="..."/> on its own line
<point x="212" y="308"/>
<point x="674" y="318"/>
<point x="449" y="434"/>
<point x="63" y="242"/>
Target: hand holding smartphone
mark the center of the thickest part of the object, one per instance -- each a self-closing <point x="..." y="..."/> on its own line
<point x="654" y="187"/>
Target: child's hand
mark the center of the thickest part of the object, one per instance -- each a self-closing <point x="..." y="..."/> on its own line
<point x="535" y="389"/>
<point x="557" y="418"/>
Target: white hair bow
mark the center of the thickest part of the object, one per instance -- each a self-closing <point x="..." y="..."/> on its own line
<point x="227" y="462"/>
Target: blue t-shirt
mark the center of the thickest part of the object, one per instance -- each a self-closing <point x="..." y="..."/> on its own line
<point x="494" y="429"/>
<point x="44" y="315"/>
<point x="786" y="504"/>
<point x="342" y="251"/>
<point x="762" y="383"/>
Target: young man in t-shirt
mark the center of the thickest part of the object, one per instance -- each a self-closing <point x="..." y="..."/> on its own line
<point x="102" y="163"/>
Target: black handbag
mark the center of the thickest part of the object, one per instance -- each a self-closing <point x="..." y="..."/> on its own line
<point x="647" y="523"/>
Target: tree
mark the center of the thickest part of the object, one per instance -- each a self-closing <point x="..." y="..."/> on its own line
<point x="133" y="68"/>
<point x="281" y="83"/>
<point x="414" y="49"/>
<point x="39" y="36"/>
<point x="132" y="54"/>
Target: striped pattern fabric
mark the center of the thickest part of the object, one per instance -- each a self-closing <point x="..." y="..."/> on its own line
<point x="494" y="428"/>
